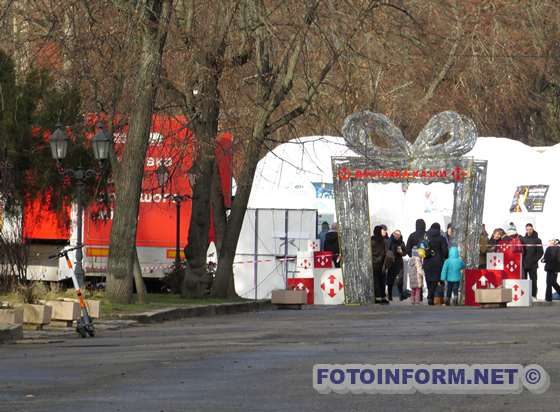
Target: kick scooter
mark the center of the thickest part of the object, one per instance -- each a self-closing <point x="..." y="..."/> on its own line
<point x="84" y="324"/>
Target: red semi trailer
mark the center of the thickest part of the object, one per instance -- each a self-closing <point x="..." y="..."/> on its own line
<point x="172" y="144"/>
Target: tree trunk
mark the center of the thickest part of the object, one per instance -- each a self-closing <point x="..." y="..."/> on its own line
<point x="138" y="281"/>
<point x="195" y="253"/>
<point x="218" y="210"/>
<point x="224" y="286"/>
<point x="128" y="182"/>
<point x="205" y="128"/>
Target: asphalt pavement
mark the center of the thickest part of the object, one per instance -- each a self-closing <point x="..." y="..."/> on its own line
<point x="263" y="361"/>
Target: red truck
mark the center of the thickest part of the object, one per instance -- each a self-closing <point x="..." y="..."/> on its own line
<point x="171" y="143"/>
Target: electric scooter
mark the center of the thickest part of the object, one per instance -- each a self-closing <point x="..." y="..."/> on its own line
<point x="84" y="324"/>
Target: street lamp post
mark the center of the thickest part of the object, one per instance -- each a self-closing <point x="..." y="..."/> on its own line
<point x="101" y="144"/>
<point x="163" y="178"/>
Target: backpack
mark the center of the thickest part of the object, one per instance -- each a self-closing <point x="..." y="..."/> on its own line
<point x="425" y="244"/>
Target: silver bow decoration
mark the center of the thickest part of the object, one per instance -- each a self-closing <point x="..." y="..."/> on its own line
<point x="359" y="126"/>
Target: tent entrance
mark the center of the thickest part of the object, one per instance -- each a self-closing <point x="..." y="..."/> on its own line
<point x="398" y="206"/>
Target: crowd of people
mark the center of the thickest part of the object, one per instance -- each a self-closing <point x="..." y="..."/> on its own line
<point x="531" y="248"/>
<point x="434" y="260"/>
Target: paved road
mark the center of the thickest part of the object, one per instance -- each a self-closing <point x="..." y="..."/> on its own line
<point x="262" y="361"/>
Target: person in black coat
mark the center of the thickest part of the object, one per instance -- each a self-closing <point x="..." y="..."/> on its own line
<point x="379" y="254"/>
<point x="398" y="249"/>
<point x="532" y="252"/>
<point x="551" y="261"/>
<point x="331" y="244"/>
<point x="416" y="237"/>
<point x="435" y="256"/>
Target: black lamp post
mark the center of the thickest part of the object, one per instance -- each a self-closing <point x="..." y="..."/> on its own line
<point x="164" y="178"/>
<point x="101" y="144"/>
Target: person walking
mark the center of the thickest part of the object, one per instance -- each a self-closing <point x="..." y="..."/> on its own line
<point x="379" y="253"/>
<point x="532" y="253"/>
<point x="395" y="270"/>
<point x="332" y="245"/>
<point x="451" y="273"/>
<point x="415" y="275"/>
<point x="551" y="261"/>
<point x="436" y="253"/>
<point x="418" y="235"/>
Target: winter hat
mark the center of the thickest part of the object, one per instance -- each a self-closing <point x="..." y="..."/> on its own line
<point x="511" y="230"/>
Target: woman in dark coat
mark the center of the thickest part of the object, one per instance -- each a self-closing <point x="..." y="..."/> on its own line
<point x="379" y="253"/>
<point x="398" y="248"/>
<point x="435" y="256"/>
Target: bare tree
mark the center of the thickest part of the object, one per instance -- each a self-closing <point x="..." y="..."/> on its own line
<point x="202" y="37"/>
<point x="153" y="16"/>
<point x="281" y="90"/>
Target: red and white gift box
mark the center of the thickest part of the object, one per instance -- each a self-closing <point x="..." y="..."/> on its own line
<point x="520" y="292"/>
<point x="513" y="263"/>
<point x="303" y="284"/>
<point x="328" y="287"/>
<point x="323" y="260"/>
<point x="481" y="279"/>
<point x="513" y="253"/>
<point x="495" y="261"/>
<point x="313" y="245"/>
<point x="304" y="265"/>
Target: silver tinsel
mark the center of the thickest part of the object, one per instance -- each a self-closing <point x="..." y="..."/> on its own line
<point x="425" y="161"/>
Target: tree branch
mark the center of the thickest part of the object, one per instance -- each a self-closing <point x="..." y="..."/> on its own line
<point x="301" y="109"/>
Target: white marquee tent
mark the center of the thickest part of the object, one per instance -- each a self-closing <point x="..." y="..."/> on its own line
<point x="298" y="175"/>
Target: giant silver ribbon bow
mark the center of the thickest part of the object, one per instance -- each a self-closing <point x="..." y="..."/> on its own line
<point x="359" y="127"/>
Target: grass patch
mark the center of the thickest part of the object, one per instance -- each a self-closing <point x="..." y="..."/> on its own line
<point x="155" y="301"/>
<point x="112" y="310"/>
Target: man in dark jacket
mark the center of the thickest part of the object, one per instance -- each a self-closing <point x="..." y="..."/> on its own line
<point x="532" y="252"/>
<point x="416" y="237"/>
<point x="332" y="245"/>
<point x="379" y="253"/>
<point x="551" y="261"/>
<point x="435" y="256"/>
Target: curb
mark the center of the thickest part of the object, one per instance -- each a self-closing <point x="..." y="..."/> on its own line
<point x="164" y="315"/>
<point x="9" y="333"/>
<point x="545" y="303"/>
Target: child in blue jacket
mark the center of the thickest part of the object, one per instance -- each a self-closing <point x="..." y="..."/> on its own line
<point x="451" y="273"/>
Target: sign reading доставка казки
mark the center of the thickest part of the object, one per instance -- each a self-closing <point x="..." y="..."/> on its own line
<point x="400" y="174"/>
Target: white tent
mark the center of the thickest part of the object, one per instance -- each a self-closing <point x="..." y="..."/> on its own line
<point x="291" y="176"/>
<point x="298" y="174"/>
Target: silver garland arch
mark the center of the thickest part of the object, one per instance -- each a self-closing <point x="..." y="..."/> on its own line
<point x="435" y="156"/>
